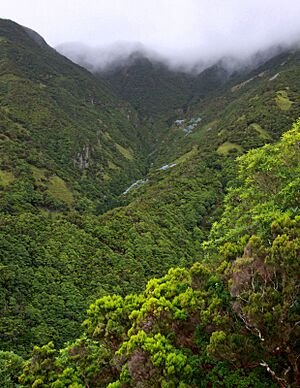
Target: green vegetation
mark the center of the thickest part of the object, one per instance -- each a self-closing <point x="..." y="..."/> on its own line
<point x="263" y="133"/>
<point x="6" y="177"/>
<point x="54" y="118"/>
<point x="127" y="153"/>
<point x="184" y="289"/>
<point x="227" y="147"/>
<point x="69" y="260"/>
<point x="58" y="189"/>
<point x="282" y="100"/>
<point x="230" y="322"/>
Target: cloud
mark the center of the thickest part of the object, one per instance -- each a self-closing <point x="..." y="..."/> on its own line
<point x="183" y="31"/>
<point x="102" y="57"/>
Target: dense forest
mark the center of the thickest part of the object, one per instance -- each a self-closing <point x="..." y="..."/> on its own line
<point x="149" y="222"/>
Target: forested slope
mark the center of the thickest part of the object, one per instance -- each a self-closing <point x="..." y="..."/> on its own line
<point x="64" y="134"/>
<point x="231" y="321"/>
<point x="250" y="109"/>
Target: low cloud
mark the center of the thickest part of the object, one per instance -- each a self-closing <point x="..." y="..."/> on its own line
<point x="182" y="32"/>
<point x="104" y="57"/>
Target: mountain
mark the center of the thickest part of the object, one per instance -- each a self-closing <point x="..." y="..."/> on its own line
<point x="75" y="138"/>
<point x="108" y="181"/>
<point x="218" y="95"/>
<point x="248" y="110"/>
<point x="149" y="85"/>
<point x="158" y="92"/>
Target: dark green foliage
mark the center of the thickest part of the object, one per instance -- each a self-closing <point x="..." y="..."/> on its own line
<point x="156" y="91"/>
<point x="55" y="265"/>
<point x="150" y="86"/>
<point x="62" y="123"/>
<point x="231" y="324"/>
<point x="11" y="366"/>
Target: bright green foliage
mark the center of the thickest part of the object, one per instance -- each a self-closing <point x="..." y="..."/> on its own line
<point x="41" y="371"/>
<point x="270" y="177"/>
<point x="227" y="147"/>
<point x="170" y="364"/>
<point x="231" y="325"/>
<point x="42" y="366"/>
<point x="282" y="100"/>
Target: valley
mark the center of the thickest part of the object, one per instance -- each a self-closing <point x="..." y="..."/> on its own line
<point x="149" y="221"/>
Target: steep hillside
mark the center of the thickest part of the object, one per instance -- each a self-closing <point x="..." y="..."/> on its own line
<point x="247" y="111"/>
<point x="149" y="85"/>
<point x="63" y="131"/>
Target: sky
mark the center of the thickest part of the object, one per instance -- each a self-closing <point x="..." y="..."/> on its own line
<point x="181" y="30"/>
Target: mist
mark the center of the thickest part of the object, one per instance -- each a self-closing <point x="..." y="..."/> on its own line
<point x="120" y="54"/>
<point x="185" y="34"/>
<point x="102" y="58"/>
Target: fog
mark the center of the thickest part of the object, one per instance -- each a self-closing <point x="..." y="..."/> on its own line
<point x="109" y="57"/>
<point x="106" y="57"/>
<point x="184" y="33"/>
